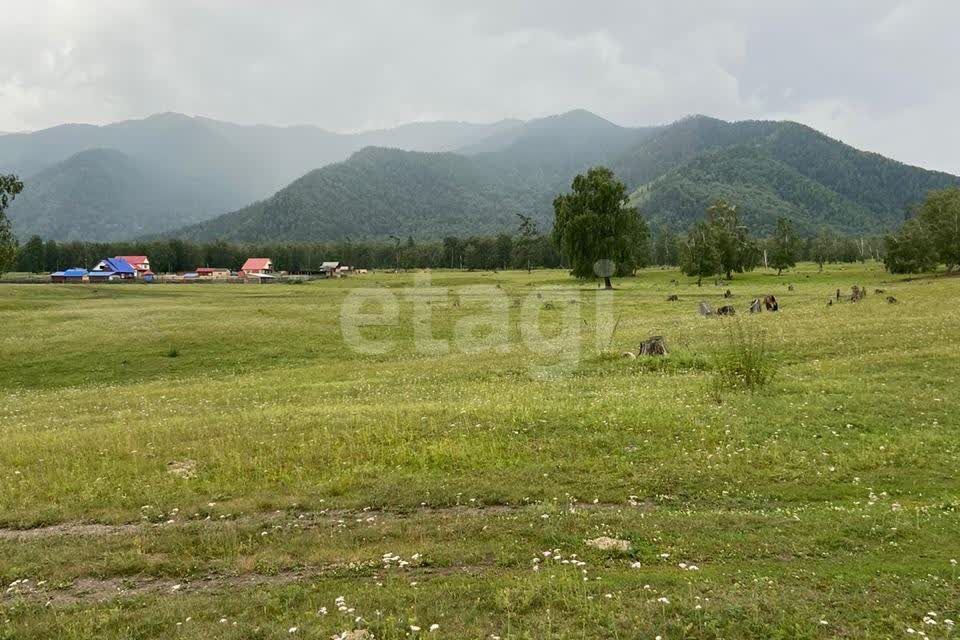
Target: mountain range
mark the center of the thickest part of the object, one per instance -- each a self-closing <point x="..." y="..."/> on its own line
<point x="81" y="180"/>
<point x="175" y="175"/>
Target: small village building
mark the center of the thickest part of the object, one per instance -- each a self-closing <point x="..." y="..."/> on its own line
<point x="213" y="272"/>
<point x="257" y="266"/>
<point x="330" y="269"/>
<point x="141" y="264"/>
<point x="114" y="266"/>
<point x="262" y="278"/>
<point x="104" y="276"/>
<point x="74" y="275"/>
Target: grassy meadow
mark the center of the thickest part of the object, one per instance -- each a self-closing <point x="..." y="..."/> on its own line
<point x="218" y="461"/>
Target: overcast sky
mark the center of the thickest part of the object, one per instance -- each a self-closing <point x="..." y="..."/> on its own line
<point x="879" y="74"/>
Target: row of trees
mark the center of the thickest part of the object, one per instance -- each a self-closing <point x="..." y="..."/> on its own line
<point x="930" y="238"/>
<point x="171" y="256"/>
<point x="533" y="251"/>
<point x="720" y="245"/>
<point x="602" y="236"/>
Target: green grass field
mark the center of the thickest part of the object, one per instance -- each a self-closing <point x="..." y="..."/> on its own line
<point x="216" y="461"/>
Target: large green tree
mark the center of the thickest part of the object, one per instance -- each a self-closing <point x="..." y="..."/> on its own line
<point x="699" y="256"/>
<point x="785" y="246"/>
<point x="823" y="248"/>
<point x="596" y="230"/>
<point x="911" y="249"/>
<point x="736" y="251"/>
<point x="940" y="212"/>
<point x="10" y="187"/>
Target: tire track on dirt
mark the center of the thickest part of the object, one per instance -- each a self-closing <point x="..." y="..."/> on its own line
<point x="88" y="590"/>
<point x="304" y="519"/>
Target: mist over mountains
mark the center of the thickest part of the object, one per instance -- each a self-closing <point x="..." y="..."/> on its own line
<point x="202" y="168"/>
<point x="204" y="179"/>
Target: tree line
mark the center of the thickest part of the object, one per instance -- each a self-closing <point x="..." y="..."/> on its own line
<point x="172" y="256"/>
<point x="719" y="245"/>
<point x="603" y="236"/>
<point x="931" y="237"/>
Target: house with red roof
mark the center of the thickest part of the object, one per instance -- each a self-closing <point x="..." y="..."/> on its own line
<point x="257" y="266"/>
<point x="140" y="263"/>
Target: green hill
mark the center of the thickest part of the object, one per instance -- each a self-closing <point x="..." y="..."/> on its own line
<point x="101" y="194"/>
<point x="762" y="187"/>
<point x="204" y="167"/>
<point x="382" y="192"/>
<point x="769" y="169"/>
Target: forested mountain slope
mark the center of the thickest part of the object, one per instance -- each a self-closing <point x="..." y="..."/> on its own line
<point x="205" y="167"/>
<point x="171" y="173"/>
<point x="379" y="193"/>
<point x="98" y="194"/>
<point x="768" y="169"/>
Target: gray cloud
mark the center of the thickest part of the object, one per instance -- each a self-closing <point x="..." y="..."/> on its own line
<point x="875" y="73"/>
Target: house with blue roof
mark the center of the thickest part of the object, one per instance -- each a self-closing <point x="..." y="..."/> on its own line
<point x="70" y="275"/>
<point x="113" y="269"/>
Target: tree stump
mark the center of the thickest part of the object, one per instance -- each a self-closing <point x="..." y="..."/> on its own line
<point x="653" y="346"/>
<point x="726" y="311"/>
<point x="771" y="303"/>
<point x="705" y="309"/>
<point x="756" y="306"/>
<point x="728" y="294"/>
<point x="856" y="294"/>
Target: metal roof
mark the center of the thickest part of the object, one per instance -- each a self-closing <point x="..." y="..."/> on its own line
<point x="256" y="264"/>
<point x="119" y="265"/>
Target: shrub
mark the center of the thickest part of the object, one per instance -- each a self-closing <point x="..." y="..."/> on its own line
<point x="745" y="361"/>
<point x="173" y="352"/>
